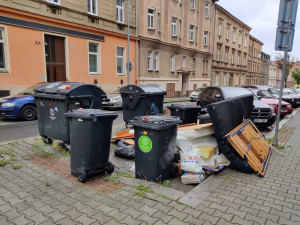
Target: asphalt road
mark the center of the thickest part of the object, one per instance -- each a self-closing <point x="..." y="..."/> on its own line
<point x="11" y="129"/>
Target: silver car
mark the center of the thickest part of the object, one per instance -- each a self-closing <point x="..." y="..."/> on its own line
<point x="195" y="93"/>
<point x="114" y="100"/>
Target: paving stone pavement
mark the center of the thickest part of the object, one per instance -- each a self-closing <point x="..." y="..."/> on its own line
<point x="30" y="194"/>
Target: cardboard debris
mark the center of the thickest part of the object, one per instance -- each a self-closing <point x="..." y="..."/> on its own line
<point x="192" y="178"/>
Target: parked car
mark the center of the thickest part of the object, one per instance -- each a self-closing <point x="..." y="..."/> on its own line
<point x="194" y="95"/>
<point x="294" y="100"/>
<point x="114" y="100"/>
<point x="20" y="106"/>
<point x="262" y="114"/>
<point x="268" y="98"/>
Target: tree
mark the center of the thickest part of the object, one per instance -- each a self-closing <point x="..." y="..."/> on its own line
<point x="279" y="60"/>
<point x="296" y="75"/>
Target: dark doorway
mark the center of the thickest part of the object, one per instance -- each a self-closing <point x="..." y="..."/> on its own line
<point x="55" y="58"/>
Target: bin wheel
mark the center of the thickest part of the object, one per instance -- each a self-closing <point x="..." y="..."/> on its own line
<point x="174" y="172"/>
<point x="82" y="176"/>
<point x="47" y="140"/>
<point x="110" y="167"/>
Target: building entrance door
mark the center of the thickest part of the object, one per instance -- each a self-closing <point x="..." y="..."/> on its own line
<point x="55" y="58"/>
<point x="185" y="78"/>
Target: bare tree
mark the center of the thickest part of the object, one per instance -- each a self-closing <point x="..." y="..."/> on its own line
<point x="279" y="59"/>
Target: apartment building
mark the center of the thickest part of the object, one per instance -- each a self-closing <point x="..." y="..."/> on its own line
<point x="264" y="69"/>
<point x="59" y="40"/>
<point x="274" y="75"/>
<point x="176" y="44"/>
<point x="254" y="61"/>
<point x="230" y="53"/>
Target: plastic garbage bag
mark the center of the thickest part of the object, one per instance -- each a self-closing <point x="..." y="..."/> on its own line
<point x="124" y="150"/>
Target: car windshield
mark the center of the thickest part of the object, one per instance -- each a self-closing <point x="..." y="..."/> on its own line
<point x="287" y="92"/>
<point x="266" y="94"/>
<point x="29" y="90"/>
<point x="273" y="91"/>
<point x="235" y="92"/>
<point x="117" y="91"/>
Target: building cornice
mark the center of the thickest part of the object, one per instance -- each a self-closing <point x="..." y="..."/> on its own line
<point x="255" y="39"/>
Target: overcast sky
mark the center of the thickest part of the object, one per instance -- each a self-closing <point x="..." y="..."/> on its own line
<point x="262" y="16"/>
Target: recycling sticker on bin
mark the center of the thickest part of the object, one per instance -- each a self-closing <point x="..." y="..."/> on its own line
<point x="145" y="144"/>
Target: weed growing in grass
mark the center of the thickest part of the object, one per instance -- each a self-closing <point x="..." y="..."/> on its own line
<point x="17" y="166"/>
<point x="113" y="178"/>
<point x="144" y="189"/>
<point x="62" y="150"/>
<point x="124" y="175"/>
<point x="47" y="184"/>
<point x="166" y="183"/>
<point x="140" y="193"/>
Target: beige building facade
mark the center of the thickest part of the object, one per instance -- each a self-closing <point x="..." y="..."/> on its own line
<point x="230" y="53"/>
<point x="264" y="69"/>
<point x="254" y="61"/>
<point x="274" y="75"/>
<point x="176" y="44"/>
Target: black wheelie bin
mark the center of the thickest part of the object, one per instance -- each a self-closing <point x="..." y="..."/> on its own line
<point x="186" y="113"/>
<point x="141" y="100"/>
<point x="55" y="99"/>
<point x="155" y="147"/>
<point x="90" y="135"/>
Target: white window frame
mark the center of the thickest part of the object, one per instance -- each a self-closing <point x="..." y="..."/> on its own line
<point x="240" y="39"/>
<point x="156" y="61"/>
<point x="151" y="18"/>
<point x="217" y="79"/>
<point x="220" y="29"/>
<point x="120" y="10"/>
<point x="205" y="38"/>
<point x="218" y="53"/>
<point x="174" y="27"/>
<point x="172" y="63"/>
<point x="206" y="9"/>
<point x="244" y="60"/>
<point x="179" y="29"/>
<point x="245" y="41"/>
<point x="224" y="80"/>
<point x="158" y="20"/>
<point x="184" y="60"/>
<point x="238" y="59"/>
<point x="150" y="60"/>
<point x="123" y="59"/>
<point x="226" y="56"/>
<point x="234" y="36"/>
<point x="227" y="33"/>
<point x="237" y="79"/>
<point x="97" y="54"/>
<point x="91" y="7"/>
<point x="191" y="33"/>
<point x="193" y="4"/>
<point x="232" y="58"/>
<point x="5" y="50"/>
<point x="53" y="2"/>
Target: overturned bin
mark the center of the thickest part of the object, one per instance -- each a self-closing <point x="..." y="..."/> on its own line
<point x="155" y="147"/>
<point x="55" y="99"/>
<point x="142" y="100"/>
<point x="90" y="134"/>
<point x="186" y="113"/>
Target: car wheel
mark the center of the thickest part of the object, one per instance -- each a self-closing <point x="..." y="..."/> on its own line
<point x="28" y="112"/>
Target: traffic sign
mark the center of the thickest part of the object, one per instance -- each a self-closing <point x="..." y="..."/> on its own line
<point x="281" y="35"/>
<point x="284" y="10"/>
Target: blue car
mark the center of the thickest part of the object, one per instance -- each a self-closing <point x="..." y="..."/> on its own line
<point x="21" y="106"/>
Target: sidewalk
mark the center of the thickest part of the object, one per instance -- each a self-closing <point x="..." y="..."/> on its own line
<point x="31" y="193"/>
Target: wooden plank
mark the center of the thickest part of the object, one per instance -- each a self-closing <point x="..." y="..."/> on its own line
<point x="196" y="127"/>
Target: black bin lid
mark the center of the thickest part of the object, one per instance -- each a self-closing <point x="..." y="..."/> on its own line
<point x="183" y="106"/>
<point x="90" y="114"/>
<point x="58" y="87"/>
<point x="143" y="89"/>
<point x="158" y="122"/>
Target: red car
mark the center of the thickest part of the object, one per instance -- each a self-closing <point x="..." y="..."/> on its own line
<point x="266" y="97"/>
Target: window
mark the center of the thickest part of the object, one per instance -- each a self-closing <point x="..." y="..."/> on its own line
<point x="237" y="80"/>
<point x="158" y="21"/>
<point x="220" y="29"/>
<point x="150" y="60"/>
<point x="194" y="64"/>
<point x="120" y="61"/>
<point x="2" y="50"/>
<point x="243" y="80"/>
<point x="54" y="1"/>
<point x="206" y="9"/>
<point x="120" y="11"/>
<point x="192" y="4"/>
<point x="92" y="7"/>
<point x="233" y="37"/>
<point x="184" y="60"/>
<point x="156" y="61"/>
<point x="151" y="18"/>
<point x="226" y="56"/>
<point x="224" y="83"/>
<point x="218" y="53"/>
<point x="232" y="58"/>
<point x="179" y="29"/>
<point x="240" y="39"/>
<point x="244" y="60"/>
<point x="245" y="42"/>
<point x="205" y="67"/>
<point x="227" y="33"/>
<point x="238" y="59"/>
<point x="191" y="32"/>
<point x="93" y="58"/>
<point x="172" y="63"/>
<point x="217" y="79"/>
<point x="174" y="24"/>
<point x="205" y="38"/>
